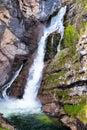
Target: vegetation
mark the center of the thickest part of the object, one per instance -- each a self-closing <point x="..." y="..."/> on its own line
<point x="44" y="119"/>
<point x="82" y="115"/>
<point x="3" y="128"/>
<point x="71" y="37"/>
<point x="73" y="110"/>
<point x="62" y="94"/>
<point x="67" y="63"/>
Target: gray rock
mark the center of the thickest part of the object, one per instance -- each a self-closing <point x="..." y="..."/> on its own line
<point x="47" y="8"/>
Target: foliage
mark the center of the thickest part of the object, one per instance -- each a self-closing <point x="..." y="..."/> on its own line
<point x="3" y="128"/>
<point x="45" y="119"/>
<point x="73" y="110"/>
<point x="82" y="115"/>
<point x="83" y="0"/>
<point x="61" y="94"/>
<point x="71" y="37"/>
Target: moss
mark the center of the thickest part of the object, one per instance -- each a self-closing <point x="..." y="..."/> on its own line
<point x="78" y="9"/>
<point x="76" y="67"/>
<point x="84" y="1"/>
<point x="70" y="38"/>
<point x="82" y="115"/>
<point x="60" y="60"/>
<point x="85" y="9"/>
<point x="61" y="94"/>
<point x="45" y="119"/>
<point x="75" y="99"/>
<point x="55" y="76"/>
<point x="4" y="128"/>
<point x="73" y="110"/>
<point x="65" y="57"/>
<point x="65" y="97"/>
<point x="83" y="28"/>
<point x="76" y="57"/>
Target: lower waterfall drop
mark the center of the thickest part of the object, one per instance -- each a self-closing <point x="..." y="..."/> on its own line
<point x="30" y="103"/>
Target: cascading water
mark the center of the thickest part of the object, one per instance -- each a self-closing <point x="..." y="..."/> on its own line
<point x="30" y="103"/>
<point x="5" y="87"/>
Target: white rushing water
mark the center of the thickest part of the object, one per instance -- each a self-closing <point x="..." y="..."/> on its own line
<point x="5" y="87"/>
<point x="30" y="102"/>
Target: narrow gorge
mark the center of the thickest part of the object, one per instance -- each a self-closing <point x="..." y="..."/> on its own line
<point x="43" y="77"/>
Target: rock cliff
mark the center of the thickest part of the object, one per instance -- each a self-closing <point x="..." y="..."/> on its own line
<point x="63" y="90"/>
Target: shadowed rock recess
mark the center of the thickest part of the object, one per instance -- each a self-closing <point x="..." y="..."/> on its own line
<point x="63" y="90"/>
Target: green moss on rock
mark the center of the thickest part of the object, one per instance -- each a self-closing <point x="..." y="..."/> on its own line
<point x="61" y="94"/>
<point x="73" y="110"/>
<point x="82" y="115"/>
<point x="3" y="128"/>
<point x="70" y="37"/>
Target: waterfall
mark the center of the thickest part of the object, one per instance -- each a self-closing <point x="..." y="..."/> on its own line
<point x="30" y="103"/>
<point x="5" y="87"/>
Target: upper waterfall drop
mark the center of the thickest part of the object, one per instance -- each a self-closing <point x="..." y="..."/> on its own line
<point x="33" y="80"/>
<point x="30" y="102"/>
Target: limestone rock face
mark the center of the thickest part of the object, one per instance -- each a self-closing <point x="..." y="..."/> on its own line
<point x="18" y="37"/>
<point x="41" y="9"/>
<point x="10" y="43"/>
<point x="63" y="89"/>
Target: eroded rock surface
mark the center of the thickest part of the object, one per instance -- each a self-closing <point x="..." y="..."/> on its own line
<point x="63" y="90"/>
<point x="41" y="9"/>
<point x="4" y="124"/>
<point x="18" y="38"/>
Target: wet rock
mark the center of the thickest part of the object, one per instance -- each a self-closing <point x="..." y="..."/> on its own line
<point x="17" y="88"/>
<point x="51" y="46"/>
<point x="85" y="17"/>
<point x="51" y="108"/>
<point x="4" y="124"/>
<point x="64" y="78"/>
<point x="71" y="123"/>
<point x="80" y="125"/>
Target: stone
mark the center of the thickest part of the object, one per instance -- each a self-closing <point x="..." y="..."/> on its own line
<point x="51" y="108"/>
<point x="17" y="37"/>
<point x="4" y="124"/>
<point x="65" y="76"/>
<point x="42" y="9"/>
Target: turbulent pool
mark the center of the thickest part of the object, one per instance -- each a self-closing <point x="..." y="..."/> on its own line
<point x="35" y="122"/>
